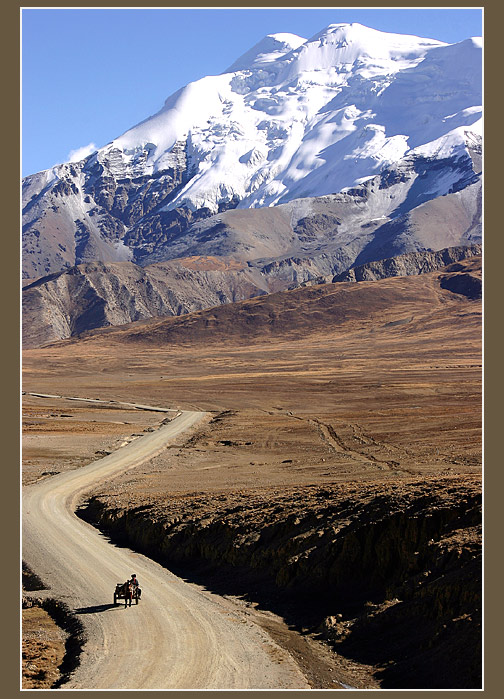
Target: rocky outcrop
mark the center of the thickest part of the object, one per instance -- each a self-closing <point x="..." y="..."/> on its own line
<point x="96" y="295"/>
<point x="462" y="280"/>
<point x="392" y="572"/>
<point x="409" y="264"/>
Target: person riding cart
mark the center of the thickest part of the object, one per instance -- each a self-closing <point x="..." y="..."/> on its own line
<point x="133" y="581"/>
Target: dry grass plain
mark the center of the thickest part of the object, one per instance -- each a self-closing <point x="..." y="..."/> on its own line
<point x="59" y="435"/>
<point x="370" y="383"/>
<point x="390" y="393"/>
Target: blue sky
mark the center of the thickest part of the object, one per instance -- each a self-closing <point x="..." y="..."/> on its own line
<point x="90" y="74"/>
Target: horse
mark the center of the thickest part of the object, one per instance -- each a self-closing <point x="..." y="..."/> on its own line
<point x="127" y="591"/>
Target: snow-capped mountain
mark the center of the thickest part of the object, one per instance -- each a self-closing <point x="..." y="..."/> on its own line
<point x="292" y="118"/>
<point x="297" y="118"/>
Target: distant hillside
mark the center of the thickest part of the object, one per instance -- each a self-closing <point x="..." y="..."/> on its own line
<point x="405" y="265"/>
<point x="400" y="304"/>
<point x="96" y="295"/>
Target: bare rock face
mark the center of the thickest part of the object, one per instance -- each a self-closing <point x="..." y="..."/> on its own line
<point x="409" y="264"/>
<point x="96" y="295"/>
<point x="80" y="212"/>
<point x="92" y="211"/>
<point x="462" y="279"/>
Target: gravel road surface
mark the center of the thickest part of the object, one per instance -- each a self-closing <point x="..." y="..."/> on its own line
<point x="179" y="636"/>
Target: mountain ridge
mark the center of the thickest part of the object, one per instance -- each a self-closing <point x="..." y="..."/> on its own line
<point x="96" y="295"/>
<point x="304" y="121"/>
<point x="369" y="307"/>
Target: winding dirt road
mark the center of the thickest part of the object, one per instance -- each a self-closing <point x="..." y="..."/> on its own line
<point x="179" y="636"/>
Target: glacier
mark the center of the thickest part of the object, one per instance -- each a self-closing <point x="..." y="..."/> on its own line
<point x="295" y="118"/>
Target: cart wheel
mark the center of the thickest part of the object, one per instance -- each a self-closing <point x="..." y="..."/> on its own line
<point x="115" y="599"/>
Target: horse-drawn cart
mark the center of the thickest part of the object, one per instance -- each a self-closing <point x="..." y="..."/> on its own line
<point x="127" y="592"/>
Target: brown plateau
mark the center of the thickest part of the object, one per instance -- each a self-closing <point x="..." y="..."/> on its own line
<point x="336" y="410"/>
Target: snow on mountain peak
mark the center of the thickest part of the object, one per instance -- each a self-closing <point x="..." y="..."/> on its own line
<point x="356" y="32"/>
<point x="269" y="49"/>
<point x="295" y="117"/>
<point x="368" y="50"/>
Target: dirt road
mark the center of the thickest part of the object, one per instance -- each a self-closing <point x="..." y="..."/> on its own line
<point x="139" y="406"/>
<point x="179" y="636"/>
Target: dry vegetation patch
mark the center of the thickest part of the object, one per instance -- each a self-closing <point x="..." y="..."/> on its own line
<point x="43" y="649"/>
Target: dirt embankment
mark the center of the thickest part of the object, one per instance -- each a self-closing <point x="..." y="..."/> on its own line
<point x="43" y="648"/>
<point x="389" y="574"/>
<point x="52" y="637"/>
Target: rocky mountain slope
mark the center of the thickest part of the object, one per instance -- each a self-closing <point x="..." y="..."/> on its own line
<point x="405" y="265"/>
<point x="97" y="295"/>
<point x="315" y="309"/>
<point x="389" y="123"/>
<point x="389" y="214"/>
